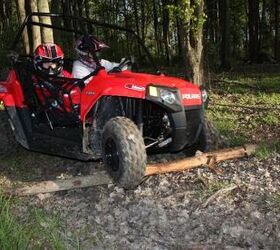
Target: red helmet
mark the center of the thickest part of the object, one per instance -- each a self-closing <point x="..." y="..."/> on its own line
<point x="48" y="59"/>
<point x="87" y="42"/>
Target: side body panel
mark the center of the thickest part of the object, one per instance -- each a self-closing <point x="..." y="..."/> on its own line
<point x="11" y="92"/>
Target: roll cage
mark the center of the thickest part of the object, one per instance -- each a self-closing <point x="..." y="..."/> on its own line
<point x="86" y="29"/>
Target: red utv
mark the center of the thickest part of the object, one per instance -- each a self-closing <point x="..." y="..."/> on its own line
<point x="120" y="115"/>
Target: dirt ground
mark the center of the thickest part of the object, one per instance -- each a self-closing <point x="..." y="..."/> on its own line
<point x="174" y="211"/>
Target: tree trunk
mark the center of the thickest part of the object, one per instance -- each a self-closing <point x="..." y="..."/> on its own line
<point x="87" y="8"/>
<point x="263" y="25"/>
<point x="75" y="8"/>
<point x="137" y="24"/>
<point x="156" y="33"/>
<point x="22" y="15"/>
<point x="143" y="21"/>
<point x="212" y="25"/>
<point x="225" y="29"/>
<point x="3" y="15"/>
<point x="195" y="57"/>
<point x="192" y="42"/>
<point x="276" y="38"/>
<point x="253" y="30"/>
<point x="165" y="29"/>
<point x="126" y="25"/>
<point x="56" y="8"/>
<point x="47" y="34"/>
<point x="36" y="31"/>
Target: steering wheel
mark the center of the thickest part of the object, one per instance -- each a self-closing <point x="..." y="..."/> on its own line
<point x="119" y="68"/>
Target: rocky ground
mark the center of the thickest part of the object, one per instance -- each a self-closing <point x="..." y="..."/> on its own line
<point x="195" y="209"/>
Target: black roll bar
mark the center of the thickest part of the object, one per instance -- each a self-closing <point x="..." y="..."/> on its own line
<point x="28" y="21"/>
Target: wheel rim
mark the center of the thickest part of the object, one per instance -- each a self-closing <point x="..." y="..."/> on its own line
<point x="112" y="154"/>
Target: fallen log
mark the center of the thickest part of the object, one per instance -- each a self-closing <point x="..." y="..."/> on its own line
<point x="209" y="159"/>
<point x="101" y="177"/>
<point x="98" y="178"/>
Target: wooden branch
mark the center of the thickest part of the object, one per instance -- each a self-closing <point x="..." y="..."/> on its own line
<point x="101" y="177"/>
<point x="98" y="178"/>
<point x="204" y="159"/>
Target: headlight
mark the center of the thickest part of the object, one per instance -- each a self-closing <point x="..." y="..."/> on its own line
<point x="167" y="96"/>
<point x="204" y="95"/>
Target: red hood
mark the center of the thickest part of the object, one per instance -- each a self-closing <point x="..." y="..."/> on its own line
<point x="190" y="93"/>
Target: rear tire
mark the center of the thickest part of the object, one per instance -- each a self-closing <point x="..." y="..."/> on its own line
<point x="123" y="152"/>
<point x="8" y="145"/>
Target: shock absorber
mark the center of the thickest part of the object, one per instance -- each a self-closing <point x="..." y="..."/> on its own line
<point x="140" y="116"/>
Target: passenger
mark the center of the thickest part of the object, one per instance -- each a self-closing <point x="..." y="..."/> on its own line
<point x="86" y="63"/>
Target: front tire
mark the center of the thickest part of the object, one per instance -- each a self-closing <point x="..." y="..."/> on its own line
<point x="123" y="152"/>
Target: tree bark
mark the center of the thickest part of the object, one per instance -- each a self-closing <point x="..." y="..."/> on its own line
<point x="209" y="159"/>
<point x="276" y="38"/>
<point x="22" y="15"/>
<point x="136" y="17"/>
<point x="98" y="178"/>
<point x="253" y="30"/>
<point x="192" y="42"/>
<point x="47" y="33"/>
<point x="156" y="29"/>
<point x="212" y="25"/>
<point x="143" y="17"/>
<point x="36" y="31"/>
<point x="225" y="30"/>
<point x="165" y="29"/>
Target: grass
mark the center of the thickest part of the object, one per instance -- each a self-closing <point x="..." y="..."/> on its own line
<point x="265" y="149"/>
<point x="242" y="125"/>
<point x="210" y="187"/>
<point x="35" y="230"/>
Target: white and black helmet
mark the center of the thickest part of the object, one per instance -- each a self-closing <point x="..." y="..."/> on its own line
<point x="88" y="43"/>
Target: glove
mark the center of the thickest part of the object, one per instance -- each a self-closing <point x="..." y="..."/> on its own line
<point x="122" y="60"/>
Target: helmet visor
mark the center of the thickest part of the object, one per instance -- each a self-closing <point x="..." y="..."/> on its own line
<point x="49" y="65"/>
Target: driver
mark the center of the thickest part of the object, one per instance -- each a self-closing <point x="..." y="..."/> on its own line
<point x="48" y="61"/>
<point x="86" y="63"/>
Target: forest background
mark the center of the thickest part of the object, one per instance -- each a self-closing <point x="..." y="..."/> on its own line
<point x="194" y="37"/>
<point x="231" y="47"/>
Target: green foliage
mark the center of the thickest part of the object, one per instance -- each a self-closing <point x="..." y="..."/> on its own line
<point x="267" y="149"/>
<point x="13" y="235"/>
<point x="35" y="230"/>
<point x="242" y="125"/>
<point x="263" y="151"/>
<point x="191" y="13"/>
<point x="211" y="187"/>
